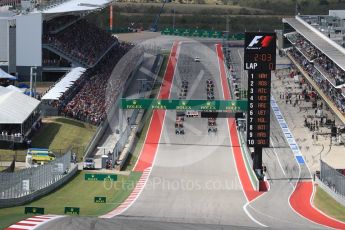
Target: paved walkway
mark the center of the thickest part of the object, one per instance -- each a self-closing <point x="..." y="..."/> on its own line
<point x="312" y="148"/>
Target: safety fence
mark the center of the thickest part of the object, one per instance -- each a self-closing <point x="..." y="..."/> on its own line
<point x="27" y="181"/>
<point x="241" y="123"/>
<point x="120" y="145"/>
<point x="333" y="178"/>
<point x="129" y="72"/>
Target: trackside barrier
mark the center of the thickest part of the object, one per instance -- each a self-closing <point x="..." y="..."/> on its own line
<point x="338" y="197"/>
<point x="29" y="184"/>
<point x="104" y="125"/>
<point x="332" y="178"/>
<point x="241" y="133"/>
<point x="128" y="137"/>
<point x="249" y="162"/>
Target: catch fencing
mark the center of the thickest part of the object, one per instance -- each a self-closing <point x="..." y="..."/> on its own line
<point x="120" y="144"/>
<point x="333" y="178"/>
<point x="27" y="181"/>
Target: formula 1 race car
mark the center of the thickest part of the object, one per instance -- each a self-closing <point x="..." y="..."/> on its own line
<point x="212" y="129"/>
<point x="179" y="131"/>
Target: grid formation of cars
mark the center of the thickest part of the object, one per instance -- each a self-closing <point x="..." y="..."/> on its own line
<point x="211" y="121"/>
<point x="179" y="129"/>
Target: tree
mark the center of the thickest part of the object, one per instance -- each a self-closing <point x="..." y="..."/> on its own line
<point x="323" y="2"/>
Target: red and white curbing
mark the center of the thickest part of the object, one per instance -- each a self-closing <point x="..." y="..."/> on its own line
<point x="32" y="222"/>
<point x="132" y="197"/>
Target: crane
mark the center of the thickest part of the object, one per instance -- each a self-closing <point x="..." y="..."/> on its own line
<point x="156" y="20"/>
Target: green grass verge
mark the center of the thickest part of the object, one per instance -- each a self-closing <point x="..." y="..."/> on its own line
<point x="77" y="193"/>
<point x="328" y="205"/>
<point x="62" y="133"/>
<point x="57" y="134"/>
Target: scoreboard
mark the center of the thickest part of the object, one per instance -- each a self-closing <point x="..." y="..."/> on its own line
<point x="259" y="60"/>
<point x="260" y="51"/>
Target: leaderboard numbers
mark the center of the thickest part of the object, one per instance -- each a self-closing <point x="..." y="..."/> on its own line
<point x="250" y="132"/>
<point x="258" y="128"/>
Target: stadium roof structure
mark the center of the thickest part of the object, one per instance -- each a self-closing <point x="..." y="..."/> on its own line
<point x="76" y="6"/>
<point x="331" y="49"/>
<point x="15" y="107"/>
<point x="64" y="84"/>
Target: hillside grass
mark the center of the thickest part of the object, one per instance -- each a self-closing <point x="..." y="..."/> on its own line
<point x="245" y="15"/>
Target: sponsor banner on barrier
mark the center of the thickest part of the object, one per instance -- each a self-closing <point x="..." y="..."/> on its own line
<point x="287" y="133"/>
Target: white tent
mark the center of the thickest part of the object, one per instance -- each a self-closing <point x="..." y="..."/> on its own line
<point x="15" y="88"/>
<point x="15" y="107"/>
<point x="64" y="84"/>
<point x="4" y="75"/>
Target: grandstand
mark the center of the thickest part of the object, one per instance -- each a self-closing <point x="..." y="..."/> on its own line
<point x="60" y="39"/>
<point x="64" y="47"/>
<point x="12" y="3"/>
<point x="86" y="100"/>
<point x="313" y="44"/>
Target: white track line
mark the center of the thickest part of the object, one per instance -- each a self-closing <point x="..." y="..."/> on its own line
<point x="233" y="157"/>
<point x="135" y="194"/>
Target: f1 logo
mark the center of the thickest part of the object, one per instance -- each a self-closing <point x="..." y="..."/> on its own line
<point x="255" y="40"/>
<point x="265" y="41"/>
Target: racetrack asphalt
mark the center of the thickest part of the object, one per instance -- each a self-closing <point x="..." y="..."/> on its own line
<point x="194" y="182"/>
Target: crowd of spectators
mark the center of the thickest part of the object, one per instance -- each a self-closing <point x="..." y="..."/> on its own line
<point x="335" y="94"/>
<point x="55" y="62"/>
<point x="10" y="132"/>
<point x="331" y="69"/>
<point x="322" y="63"/>
<point x="58" y="23"/>
<point x="51" y="59"/>
<point x="82" y="40"/>
<point x="87" y="99"/>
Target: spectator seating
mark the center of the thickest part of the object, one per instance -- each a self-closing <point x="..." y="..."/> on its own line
<point x="82" y="40"/>
<point x="87" y="100"/>
<point x="322" y="63"/>
<point x="335" y="94"/>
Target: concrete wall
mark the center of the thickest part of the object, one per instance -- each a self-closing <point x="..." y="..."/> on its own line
<point x="101" y="129"/>
<point x="12" y="50"/>
<point x="337" y="13"/>
<point x="339" y="198"/>
<point x="3" y="40"/>
<point x="29" y="40"/>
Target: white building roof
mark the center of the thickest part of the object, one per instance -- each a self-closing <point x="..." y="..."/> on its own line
<point x="15" y="107"/>
<point x="331" y="49"/>
<point x="64" y="84"/>
<point x="77" y="5"/>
